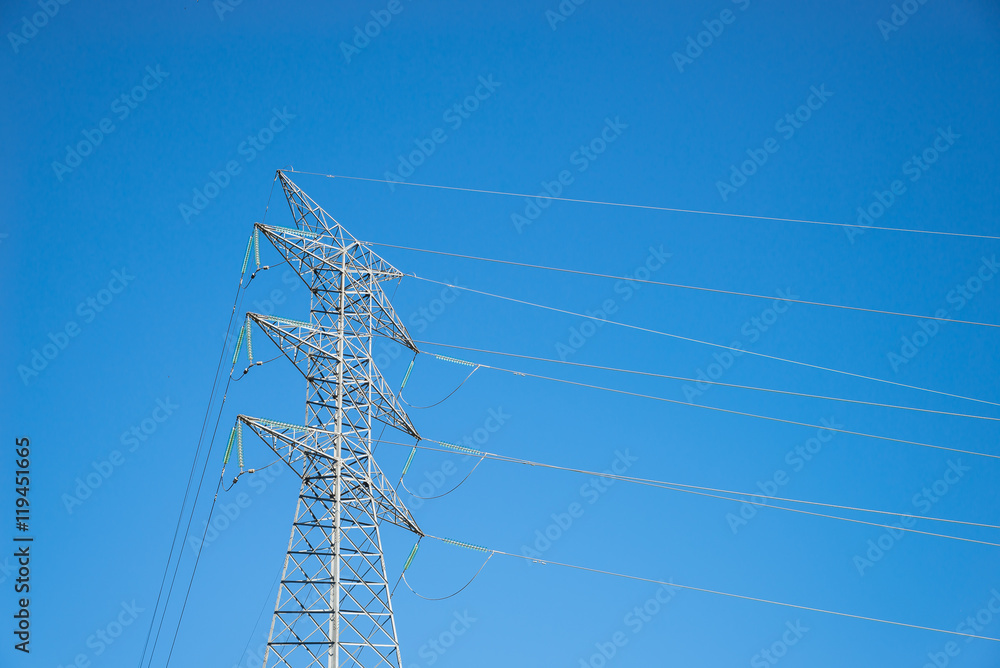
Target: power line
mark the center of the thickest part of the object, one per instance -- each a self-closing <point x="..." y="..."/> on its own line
<point x="743" y="413"/>
<point x="180" y="517"/>
<point x="698" y="341"/>
<point x="687" y="287"/>
<point x="706" y="381"/>
<point x="736" y="496"/>
<point x="187" y="529"/>
<point x="237" y="305"/>
<point x="260" y="615"/>
<point x="453" y="594"/>
<point x="714" y="591"/>
<point x="194" y="570"/>
<point x="654" y="208"/>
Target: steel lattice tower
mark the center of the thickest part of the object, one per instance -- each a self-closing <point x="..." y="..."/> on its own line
<point x="333" y="607"/>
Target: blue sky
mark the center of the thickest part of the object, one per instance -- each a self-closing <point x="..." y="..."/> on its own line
<point x="191" y="107"/>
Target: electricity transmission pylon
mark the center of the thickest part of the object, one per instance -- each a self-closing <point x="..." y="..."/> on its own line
<point x="333" y="607"/>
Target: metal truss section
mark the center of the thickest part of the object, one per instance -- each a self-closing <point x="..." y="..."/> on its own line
<point x="334" y="608"/>
<point x="332" y="271"/>
<point x="312" y="348"/>
<point x="296" y="445"/>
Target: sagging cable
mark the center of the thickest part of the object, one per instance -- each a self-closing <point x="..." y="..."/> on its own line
<point x="475" y="367"/>
<point x="464" y="587"/>
<point x="443" y="494"/>
<point x="459" y="448"/>
<point x="744" y="597"/>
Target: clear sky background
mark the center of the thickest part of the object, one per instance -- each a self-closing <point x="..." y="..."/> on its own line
<point x="203" y="84"/>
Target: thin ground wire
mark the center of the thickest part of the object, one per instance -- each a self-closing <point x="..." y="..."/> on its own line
<point x="744" y="413"/>
<point x="187" y="530"/>
<point x="187" y="593"/>
<point x="727" y="594"/>
<point x="260" y="615"/>
<point x="843" y="519"/>
<point x="736" y="412"/>
<point x="747" y="497"/>
<point x="665" y="485"/>
<point x="240" y="294"/>
<point x="686" y="287"/>
<point x="654" y="208"/>
<point x="705" y="343"/>
<point x="194" y="463"/>
<point x="706" y="381"/>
